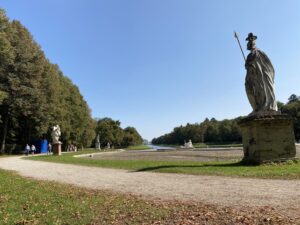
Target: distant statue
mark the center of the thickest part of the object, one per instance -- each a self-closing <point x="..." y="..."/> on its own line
<point x="97" y="143"/>
<point x="259" y="79"/>
<point x="55" y="134"/>
<point x="108" y="145"/>
<point x="188" y="144"/>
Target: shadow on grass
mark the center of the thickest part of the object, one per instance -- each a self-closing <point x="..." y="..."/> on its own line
<point x="224" y="165"/>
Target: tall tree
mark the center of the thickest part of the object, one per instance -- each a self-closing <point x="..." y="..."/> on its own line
<point x="131" y="137"/>
<point x="34" y="94"/>
<point x="110" y="132"/>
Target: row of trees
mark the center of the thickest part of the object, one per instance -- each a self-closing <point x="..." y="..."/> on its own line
<point x="209" y="131"/>
<point x="292" y="108"/>
<point x="35" y="95"/>
<point x="110" y="131"/>
<point x="225" y="131"/>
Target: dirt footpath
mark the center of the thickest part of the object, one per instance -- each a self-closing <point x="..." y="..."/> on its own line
<point x="283" y="195"/>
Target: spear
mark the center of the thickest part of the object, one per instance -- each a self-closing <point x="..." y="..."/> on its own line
<point x="237" y="38"/>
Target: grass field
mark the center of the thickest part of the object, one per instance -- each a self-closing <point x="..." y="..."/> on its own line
<point x="288" y="170"/>
<point x="138" y="147"/>
<point x="28" y="201"/>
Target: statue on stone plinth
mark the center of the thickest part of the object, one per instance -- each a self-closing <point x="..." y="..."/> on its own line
<point x="259" y="79"/>
<point x="55" y="134"/>
<point x="267" y="134"/>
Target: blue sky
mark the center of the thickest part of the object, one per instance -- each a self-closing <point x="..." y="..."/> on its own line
<point x="157" y="64"/>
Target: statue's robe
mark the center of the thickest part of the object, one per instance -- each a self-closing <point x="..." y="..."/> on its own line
<point x="260" y="82"/>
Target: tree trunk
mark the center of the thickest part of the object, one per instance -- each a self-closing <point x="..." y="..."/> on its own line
<point x="4" y="134"/>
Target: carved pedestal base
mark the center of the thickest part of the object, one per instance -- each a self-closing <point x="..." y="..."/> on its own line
<point x="268" y="138"/>
<point x="56" y="148"/>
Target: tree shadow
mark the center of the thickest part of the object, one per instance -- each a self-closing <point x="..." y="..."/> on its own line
<point x="224" y="165"/>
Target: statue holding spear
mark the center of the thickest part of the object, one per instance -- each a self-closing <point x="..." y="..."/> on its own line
<point x="259" y="78"/>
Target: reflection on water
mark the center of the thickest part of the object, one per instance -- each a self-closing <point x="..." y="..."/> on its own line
<point x="161" y="147"/>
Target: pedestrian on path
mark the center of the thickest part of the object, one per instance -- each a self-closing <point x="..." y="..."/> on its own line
<point x="49" y="149"/>
<point x="27" y="149"/>
<point x="32" y="149"/>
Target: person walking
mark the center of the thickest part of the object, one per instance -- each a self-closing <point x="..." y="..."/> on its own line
<point x="27" y="149"/>
<point x="49" y="149"/>
<point x="32" y="149"/>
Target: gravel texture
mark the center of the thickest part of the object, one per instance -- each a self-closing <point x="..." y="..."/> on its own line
<point x="284" y="195"/>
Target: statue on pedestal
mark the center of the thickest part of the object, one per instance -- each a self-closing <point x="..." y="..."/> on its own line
<point x="55" y="134"/>
<point x="259" y="79"/>
<point x="267" y="134"/>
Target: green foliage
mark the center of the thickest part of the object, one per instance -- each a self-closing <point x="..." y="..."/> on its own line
<point x="138" y="147"/>
<point x="35" y="95"/>
<point x="3" y="96"/>
<point x="221" y="168"/>
<point x="292" y="108"/>
<point x="225" y="131"/>
<point x="111" y="132"/>
<point x="131" y="137"/>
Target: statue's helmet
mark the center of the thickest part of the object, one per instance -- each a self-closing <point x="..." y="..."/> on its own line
<point x="251" y="37"/>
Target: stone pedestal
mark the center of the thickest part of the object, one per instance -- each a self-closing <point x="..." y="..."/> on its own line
<point x="56" y="148"/>
<point x="268" y="138"/>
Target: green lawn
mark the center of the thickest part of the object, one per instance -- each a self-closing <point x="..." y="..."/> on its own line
<point x="288" y="170"/>
<point x="138" y="147"/>
<point x="28" y="201"/>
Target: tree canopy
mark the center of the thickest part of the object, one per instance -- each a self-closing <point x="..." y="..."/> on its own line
<point x="34" y="93"/>
<point x="210" y="130"/>
<point x="110" y="131"/>
<point x="225" y="131"/>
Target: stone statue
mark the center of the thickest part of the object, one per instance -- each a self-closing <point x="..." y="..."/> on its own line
<point x="55" y="134"/>
<point x="259" y="79"/>
<point x="188" y="144"/>
<point x="268" y="135"/>
<point x="97" y="144"/>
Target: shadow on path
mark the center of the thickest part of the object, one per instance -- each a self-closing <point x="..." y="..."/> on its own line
<point x="235" y="164"/>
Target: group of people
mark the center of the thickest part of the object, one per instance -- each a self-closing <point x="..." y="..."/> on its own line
<point x="71" y="148"/>
<point x="32" y="149"/>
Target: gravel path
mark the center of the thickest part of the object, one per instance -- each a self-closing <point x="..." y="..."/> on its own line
<point x="280" y="194"/>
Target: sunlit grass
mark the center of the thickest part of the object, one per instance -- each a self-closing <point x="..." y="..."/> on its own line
<point x="138" y="147"/>
<point x="26" y="201"/>
<point x="288" y="170"/>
